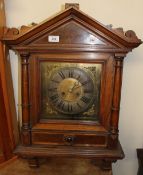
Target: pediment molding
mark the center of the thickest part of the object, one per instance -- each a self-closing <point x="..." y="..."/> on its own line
<point x="115" y="38"/>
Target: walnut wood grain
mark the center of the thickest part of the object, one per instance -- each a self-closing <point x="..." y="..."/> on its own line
<point x="70" y="151"/>
<point x="68" y="138"/>
<point x="81" y="40"/>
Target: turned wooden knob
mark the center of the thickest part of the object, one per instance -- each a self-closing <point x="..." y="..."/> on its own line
<point x="69" y="139"/>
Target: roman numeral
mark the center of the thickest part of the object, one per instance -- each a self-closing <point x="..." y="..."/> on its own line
<point x="71" y="73"/>
<point x="78" y="105"/>
<point x="61" y="104"/>
<point x="54" y="97"/>
<point x="85" y="83"/>
<point x="62" y="75"/>
<point x="55" y="81"/>
<point x="52" y="89"/>
<point x="69" y="108"/>
<point x="78" y="77"/>
<point x="87" y="91"/>
<point x="85" y="99"/>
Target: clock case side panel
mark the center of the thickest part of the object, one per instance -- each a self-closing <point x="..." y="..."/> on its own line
<point x="101" y="128"/>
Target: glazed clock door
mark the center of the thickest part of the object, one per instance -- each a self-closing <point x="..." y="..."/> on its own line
<point x="69" y="91"/>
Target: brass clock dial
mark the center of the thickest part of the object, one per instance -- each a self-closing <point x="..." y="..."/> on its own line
<point x="71" y="90"/>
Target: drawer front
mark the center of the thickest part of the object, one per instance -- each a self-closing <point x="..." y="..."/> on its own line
<point x="45" y="138"/>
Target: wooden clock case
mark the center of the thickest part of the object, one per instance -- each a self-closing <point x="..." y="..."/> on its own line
<point x="81" y="40"/>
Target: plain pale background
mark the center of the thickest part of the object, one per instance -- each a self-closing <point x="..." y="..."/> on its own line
<point x="121" y="13"/>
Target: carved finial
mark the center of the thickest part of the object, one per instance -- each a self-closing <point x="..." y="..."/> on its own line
<point x="75" y="5"/>
<point x="11" y="31"/>
<point x="33" y="24"/>
<point x="14" y="32"/>
<point x="24" y="29"/>
<point x="119" y="30"/>
<point x="109" y="26"/>
<point x="131" y="34"/>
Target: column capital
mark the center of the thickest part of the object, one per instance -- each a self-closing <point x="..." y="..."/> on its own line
<point x="24" y="54"/>
<point x="119" y="56"/>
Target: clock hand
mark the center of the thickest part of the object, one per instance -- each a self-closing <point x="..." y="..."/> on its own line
<point x="77" y="87"/>
<point x="75" y="84"/>
<point x="81" y="84"/>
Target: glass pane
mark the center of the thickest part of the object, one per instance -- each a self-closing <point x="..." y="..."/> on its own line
<point x="70" y="91"/>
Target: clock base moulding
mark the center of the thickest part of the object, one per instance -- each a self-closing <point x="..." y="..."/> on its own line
<point x="103" y="157"/>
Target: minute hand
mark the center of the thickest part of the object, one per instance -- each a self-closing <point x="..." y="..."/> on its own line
<point x="76" y="87"/>
<point x="85" y="83"/>
<point x="82" y="84"/>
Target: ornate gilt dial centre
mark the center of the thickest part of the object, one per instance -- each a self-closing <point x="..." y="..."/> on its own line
<point x="70" y="90"/>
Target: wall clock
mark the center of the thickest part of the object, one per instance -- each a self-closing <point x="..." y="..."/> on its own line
<point x="71" y="67"/>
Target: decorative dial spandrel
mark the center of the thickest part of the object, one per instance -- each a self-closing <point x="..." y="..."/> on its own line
<point x="70" y="90"/>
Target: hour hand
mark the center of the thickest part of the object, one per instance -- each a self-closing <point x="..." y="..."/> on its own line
<point x="74" y="86"/>
<point x="78" y="85"/>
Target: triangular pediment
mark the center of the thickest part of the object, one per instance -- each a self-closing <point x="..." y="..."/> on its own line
<point x="71" y="33"/>
<point x="71" y="29"/>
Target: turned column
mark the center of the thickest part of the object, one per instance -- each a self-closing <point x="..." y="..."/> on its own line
<point x="118" y="68"/>
<point x="25" y="99"/>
